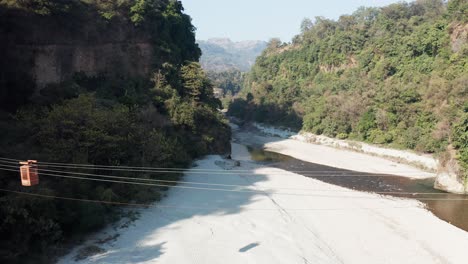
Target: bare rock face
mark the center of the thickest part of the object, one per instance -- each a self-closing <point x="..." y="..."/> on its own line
<point x="49" y="50"/>
<point x="447" y="178"/>
<point x="458" y="36"/>
<point x="449" y="183"/>
<point x="56" y="62"/>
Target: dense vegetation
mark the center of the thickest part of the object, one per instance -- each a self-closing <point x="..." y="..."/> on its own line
<point x="226" y="63"/>
<point x="228" y="83"/>
<point x="164" y="120"/>
<point x="396" y="75"/>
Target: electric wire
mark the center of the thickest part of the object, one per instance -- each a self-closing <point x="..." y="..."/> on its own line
<point x="199" y="207"/>
<point x="237" y="190"/>
<point x="320" y="174"/>
<point x="75" y="199"/>
<point x="180" y="170"/>
<point x="227" y="185"/>
<point x="246" y="172"/>
<point x="317" y="174"/>
<point x="223" y="185"/>
<point x="191" y="187"/>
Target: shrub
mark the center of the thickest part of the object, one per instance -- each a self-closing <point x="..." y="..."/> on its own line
<point x="342" y="136"/>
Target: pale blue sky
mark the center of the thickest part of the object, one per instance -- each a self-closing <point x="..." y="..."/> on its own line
<point x="264" y="19"/>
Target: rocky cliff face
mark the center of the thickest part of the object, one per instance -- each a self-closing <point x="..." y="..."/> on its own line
<point x="47" y="50"/>
<point x="448" y="178"/>
<point x="458" y="36"/>
<point x="54" y="63"/>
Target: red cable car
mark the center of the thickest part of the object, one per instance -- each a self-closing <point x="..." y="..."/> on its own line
<point x="29" y="174"/>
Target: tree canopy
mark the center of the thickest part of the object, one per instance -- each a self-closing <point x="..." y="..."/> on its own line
<point x="164" y="121"/>
<point x="394" y="75"/>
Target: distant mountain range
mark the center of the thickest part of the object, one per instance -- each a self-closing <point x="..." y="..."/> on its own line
<point x="222" y="54"/>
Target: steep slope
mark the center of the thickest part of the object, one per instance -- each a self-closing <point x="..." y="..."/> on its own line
<point x="114" y="83"/>
<point x="396" y="75"/>
<point x="220" y="54"/>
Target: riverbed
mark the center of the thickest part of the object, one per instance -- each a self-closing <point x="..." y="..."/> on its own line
<point x="262" y="212"/>
<point x="449" y="207"/>
<point x="411" y="183"/>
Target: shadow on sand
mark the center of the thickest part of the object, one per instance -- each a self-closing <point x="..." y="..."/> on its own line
<point x="141" y="241"/>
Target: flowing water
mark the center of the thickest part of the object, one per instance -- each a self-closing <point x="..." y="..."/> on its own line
<point x="446" y="206"/>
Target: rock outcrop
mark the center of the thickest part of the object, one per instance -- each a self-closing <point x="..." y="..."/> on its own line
<point x="449" y="182"/>
<point x="447" y="177"/>
<point x="47" y="50"/>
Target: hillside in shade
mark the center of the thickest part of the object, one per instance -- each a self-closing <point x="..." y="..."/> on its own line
<point x="113" y="83"/>
<point x="222" y="54"/>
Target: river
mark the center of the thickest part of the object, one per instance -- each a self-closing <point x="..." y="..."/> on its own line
<point x="264" y="223"/>
<point x="452" y="210"/>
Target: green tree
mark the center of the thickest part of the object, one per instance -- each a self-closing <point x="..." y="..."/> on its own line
<point x="458" y="9"/>
<point x="306" y="25"/>
<point x="392" y="75"/>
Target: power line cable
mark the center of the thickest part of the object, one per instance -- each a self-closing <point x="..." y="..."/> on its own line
<point x="232" y="190"/>
<point x="199" y="207"/>
<point x="75" y="199"/>
<point x="328" y="173"/>
<point x="9" y="159"/>
<point x="227" y="185"/>
<point x="192" y="170"/>
<point x="179" y="186"/>
<point x="154" y="180"/>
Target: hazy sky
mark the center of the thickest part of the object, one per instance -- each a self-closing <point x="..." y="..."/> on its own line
<point x="264" y="19"/>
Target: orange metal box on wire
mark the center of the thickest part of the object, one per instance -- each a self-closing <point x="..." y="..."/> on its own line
<point x="29" y="174"/>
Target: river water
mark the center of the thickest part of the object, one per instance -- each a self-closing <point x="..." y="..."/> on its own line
<point x="446" y="206"/>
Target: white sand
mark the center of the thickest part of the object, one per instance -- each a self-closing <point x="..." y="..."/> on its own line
<point x="333" y="157"/>
<point x="426" y="161"/>
<point x="343" y="159"/>
<point x="319" y="223"/>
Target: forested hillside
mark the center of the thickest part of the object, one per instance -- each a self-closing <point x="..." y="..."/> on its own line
<point x="164" y="116"/>
<point x="219" y="54"/>
<point x="396" y="75"/>
<point x="227" y="84"/>
<point x="226" y="63"/>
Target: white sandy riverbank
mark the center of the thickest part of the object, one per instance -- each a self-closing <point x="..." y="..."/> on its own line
<point x="330" y="155"/>
<point x="423" y="160"/>
<point x="287" y="218"/>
